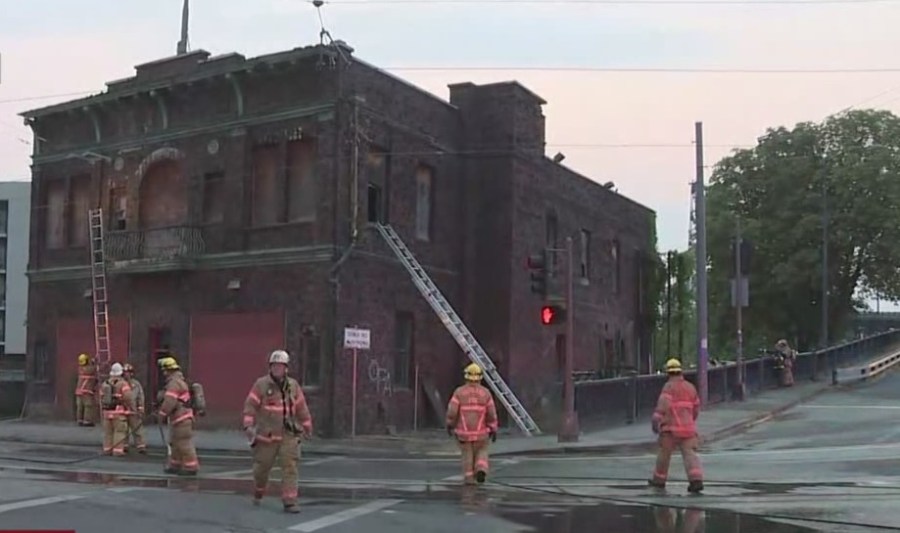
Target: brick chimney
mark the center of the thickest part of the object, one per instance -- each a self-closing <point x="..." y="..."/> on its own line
<point x="500" y="116"/>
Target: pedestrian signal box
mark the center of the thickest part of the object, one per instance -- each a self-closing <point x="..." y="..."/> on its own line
<point x="552" y="314"/>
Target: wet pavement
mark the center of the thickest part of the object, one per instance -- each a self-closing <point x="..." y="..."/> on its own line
<point x="830" y="465"/>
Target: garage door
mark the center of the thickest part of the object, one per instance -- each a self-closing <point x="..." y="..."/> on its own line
<point x="228" y="352"/>
<point x="75" y="336"/>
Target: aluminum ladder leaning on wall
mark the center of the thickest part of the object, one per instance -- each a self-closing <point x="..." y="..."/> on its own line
<point x="459" y="331"/>
<point x="98" y="282"/>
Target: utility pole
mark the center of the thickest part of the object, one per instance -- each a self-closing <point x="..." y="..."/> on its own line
<point x="669" y="258"/>
<point x="702" y="332"/>
<point x="823" y="339"/>
<point x="185" y="15"/>
<point x="569" y="430"/>
<point x="738" y="305"/>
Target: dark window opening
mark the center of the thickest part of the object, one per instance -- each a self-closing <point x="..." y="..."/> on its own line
<point x="118" y="204"/>
<point x="617" y="266"/>
<point x="312" y="360"/>
<point x="375" y="204"/>
<point x="41" y="361"/>
<point x="403" y="348"/>
<point x="80" y="204"/>
<point x="585" y="245"/>
<point x="265" y="186"/>
<point x="214" y="198"/>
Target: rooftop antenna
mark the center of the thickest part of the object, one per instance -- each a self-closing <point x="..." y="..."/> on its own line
<point x="323" y="34"/>
<point x="185" y="15"/>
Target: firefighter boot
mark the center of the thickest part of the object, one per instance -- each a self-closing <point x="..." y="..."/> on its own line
<point x="291" y="508"/>
<point x="258" y="496"/>
<point x="480" y="476"/>
<point x="656" y="483"/>
<point x="695" y="487"/>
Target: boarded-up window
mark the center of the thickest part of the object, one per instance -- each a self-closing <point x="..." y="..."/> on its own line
<point x="265" y="185"/>
<point x="423" y="203"/>
<point x="615" y="252"/>
<point x="118" y="208"/>
<point x="585" y="246"/>
<point x="54" y="229"/>
<point x="301" y="180"/>
<point x="403" y="348"/>
<point x="377" y="163"/>
<point x="78" y="214"/>
<point x="214" y="198"/>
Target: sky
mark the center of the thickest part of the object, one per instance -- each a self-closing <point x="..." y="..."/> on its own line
<point x="633" y="128"/>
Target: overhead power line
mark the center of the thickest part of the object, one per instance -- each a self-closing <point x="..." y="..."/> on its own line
<point x="45" y="97"/>
<point x="618" y="2"/>
<point x="650" y="70"/>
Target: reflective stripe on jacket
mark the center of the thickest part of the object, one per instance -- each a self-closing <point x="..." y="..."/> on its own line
<point x="472" y="413"/>
<point x="678" y="408"/>
<point x="176" y="404"/>
<point x="271" y="406"/>
<point x="87" y="380"/>
<point x="123" y="398"/>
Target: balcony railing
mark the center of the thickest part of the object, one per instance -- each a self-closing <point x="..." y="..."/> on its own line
<point x="155" y="245"/>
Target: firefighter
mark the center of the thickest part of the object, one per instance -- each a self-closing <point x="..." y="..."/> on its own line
<point x="472" y="416"/>
<point x="788" y="355"/>
<point x="117" y="402"/>
<point x="275" y="416"/>
<point x="136" y="419"/>
<point x="176" y="408"/>
<point x="675" y="421"/>
<point x="85" y="391"/>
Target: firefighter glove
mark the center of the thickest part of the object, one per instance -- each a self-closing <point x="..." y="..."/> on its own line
<point x="449" y="430"/>
<point x="493" y="435"/>
<point x="655" y="426"/>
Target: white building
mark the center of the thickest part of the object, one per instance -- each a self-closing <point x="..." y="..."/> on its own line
<point x="15" y="223"/>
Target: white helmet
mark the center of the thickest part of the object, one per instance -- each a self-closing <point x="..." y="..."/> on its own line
<point x="279" y="356"/>
<point x="116" y="370"/>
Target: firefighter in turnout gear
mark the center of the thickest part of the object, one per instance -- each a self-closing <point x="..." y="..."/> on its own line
<point x="85" y="391"/>
<point x="275" y="416"/>
<point x="117" y="402"/>
<point x="136" y="419"/>
<point x="785" y="363"/>
<point x="176" y="408"/>
<point x="472" y="416"/>
<point x="675" y="421"/>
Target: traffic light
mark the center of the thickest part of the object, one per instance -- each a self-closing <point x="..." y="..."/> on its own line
<point x="552" y="315"/>
<point x="538" y="264"/>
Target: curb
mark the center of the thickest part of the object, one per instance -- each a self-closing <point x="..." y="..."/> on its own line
<point x="632" y="447"/>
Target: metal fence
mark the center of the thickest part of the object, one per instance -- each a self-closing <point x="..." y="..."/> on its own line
<point x="626" y="399"/>
<point x="155" y="244"/>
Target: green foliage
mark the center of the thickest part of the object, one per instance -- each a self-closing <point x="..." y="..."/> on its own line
<point x="852" y="161"/>
<point x="676" y="334"/>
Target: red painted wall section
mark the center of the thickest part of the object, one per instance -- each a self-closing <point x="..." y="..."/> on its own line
<point x="228" y="352"/>
<point x="75" y="336"/>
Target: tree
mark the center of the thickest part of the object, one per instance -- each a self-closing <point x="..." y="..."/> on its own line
<point x="779" y="189"/>
<point x="677" y="326"/>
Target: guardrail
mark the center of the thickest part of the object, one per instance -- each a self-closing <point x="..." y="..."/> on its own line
<point x="870" y="370"/>
<point x="628" y="398"/>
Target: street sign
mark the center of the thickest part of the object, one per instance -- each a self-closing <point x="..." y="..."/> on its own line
<point x="357" y="339"/>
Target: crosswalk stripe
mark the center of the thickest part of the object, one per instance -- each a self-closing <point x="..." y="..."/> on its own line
<point x="343" y="516"/>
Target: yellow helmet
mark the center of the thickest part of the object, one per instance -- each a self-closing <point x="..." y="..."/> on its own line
<point x="168" y="363"/>
<point x="84" y="359"/>
<point x="673" y="366"/>
<point x="473" y="372"/>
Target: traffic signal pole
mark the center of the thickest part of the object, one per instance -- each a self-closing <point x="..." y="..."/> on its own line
<point x="568" y="431"/>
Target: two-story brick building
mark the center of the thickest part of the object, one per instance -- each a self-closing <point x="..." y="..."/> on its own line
<point x="238" y="195"/>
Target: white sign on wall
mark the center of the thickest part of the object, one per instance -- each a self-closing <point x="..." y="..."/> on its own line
<point x="357" y="339"/>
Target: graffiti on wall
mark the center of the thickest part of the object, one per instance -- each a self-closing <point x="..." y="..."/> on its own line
<point x="381" y="377"/>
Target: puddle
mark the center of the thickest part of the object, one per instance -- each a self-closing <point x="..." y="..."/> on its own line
<point x="640" y="519"/>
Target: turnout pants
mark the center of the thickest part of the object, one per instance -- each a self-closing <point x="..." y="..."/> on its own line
<point x="136" y="428"/>
<point x="474" y="459"/>
<point x="184" y="454"/>
<point x="667" y="445"/>
<point x="287" y="451"/>
<point x="115" y="434"/>
<point x="84" y="409"/>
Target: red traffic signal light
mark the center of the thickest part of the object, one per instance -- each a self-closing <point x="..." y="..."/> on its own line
<point x="552" y="314"/>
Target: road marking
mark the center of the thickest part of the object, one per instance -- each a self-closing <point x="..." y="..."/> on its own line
<point x="836" y="407"/>
<point x="5" y="508"/>
<point x="315" y="462"/>
<point x="344" y="516"/>
<point x="457" y="477"/>
<point x="233" y="473"/>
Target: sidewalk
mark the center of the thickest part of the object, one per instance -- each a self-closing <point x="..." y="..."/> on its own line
<point x="719" y="421"/>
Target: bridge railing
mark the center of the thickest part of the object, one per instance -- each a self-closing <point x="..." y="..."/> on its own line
<point x="626" y="399"/>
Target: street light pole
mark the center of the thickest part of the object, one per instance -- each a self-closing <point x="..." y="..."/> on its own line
<point x="702" y="311"/>
<point x="569" y="430"/>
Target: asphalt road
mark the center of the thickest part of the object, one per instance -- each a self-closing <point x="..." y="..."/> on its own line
<point x="823" y="466"/>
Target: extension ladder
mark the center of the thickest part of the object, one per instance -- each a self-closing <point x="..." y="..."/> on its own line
<point x="459" y="331"/>
<point x="98" y="281"/>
